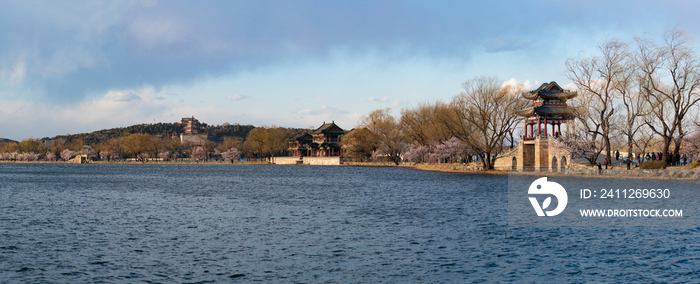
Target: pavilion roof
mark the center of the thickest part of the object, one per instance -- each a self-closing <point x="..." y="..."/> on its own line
<point x="548" y="110"/>
<point x="301" y="137"/>
<point x="549" y="91"/>
<point x="328" y="128"/>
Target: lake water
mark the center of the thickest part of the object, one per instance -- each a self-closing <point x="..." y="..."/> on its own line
<point x="68" y="223"/>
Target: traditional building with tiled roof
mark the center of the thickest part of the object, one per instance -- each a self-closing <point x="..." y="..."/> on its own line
<point x="194" y="133"/>
<point x="548" y="112"/>
<point x="548" y="108"/>
<point x="321" y="142"/>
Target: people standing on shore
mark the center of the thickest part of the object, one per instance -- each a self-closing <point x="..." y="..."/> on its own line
<point x="629" y="160"/>
<point x="606" y="163"/>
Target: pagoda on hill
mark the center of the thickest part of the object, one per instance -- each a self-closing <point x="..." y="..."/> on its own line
<point x="542" y="120"/>
<point x="194" y="133"/>
<point x="548" y="108"/>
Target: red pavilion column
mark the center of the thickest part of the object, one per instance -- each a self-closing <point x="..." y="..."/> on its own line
<point x="545" y="127"/>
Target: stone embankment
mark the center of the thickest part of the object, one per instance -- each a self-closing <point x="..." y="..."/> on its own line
<point x="442" y="167"/>
<point x="450" y="167"/>
<point x="675" y="173"/>
<point x="671" y="173"/>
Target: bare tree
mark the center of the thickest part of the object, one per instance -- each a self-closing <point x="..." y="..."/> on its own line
<point x="602" y="80"/>
<point x="482" y="116"/>
<point x="209" y="147"/>
<point x="691" y="143"/>
<point x="669" y="81"/>
<point x="632" y="123"/>
<point x="645" y="141"/>
<point x="266" y="141"/>
<point x="391" y="140"/>
<point x="230" y="142"/>
<point x="360" y="143"/>
<point x="635" y="107"/>
<point x="422" y="125"/>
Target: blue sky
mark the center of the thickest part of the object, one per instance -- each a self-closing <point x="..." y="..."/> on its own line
<point x="80" y="66"/>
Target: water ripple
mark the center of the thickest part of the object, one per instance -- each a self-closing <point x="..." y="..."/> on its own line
<point x="211" y="223"/>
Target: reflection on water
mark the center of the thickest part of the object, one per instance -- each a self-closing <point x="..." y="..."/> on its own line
<point x="197" y="223"/>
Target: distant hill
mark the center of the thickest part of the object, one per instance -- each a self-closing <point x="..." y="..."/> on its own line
<point x="162" y="129"/>
<point x="5" y="140"/>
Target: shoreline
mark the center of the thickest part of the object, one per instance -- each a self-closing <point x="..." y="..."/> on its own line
<point x="671" y="173"/>
<point x="142" y="163"/>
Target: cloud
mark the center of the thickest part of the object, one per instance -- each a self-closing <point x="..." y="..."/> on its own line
<point x="78" y="49"/>
<point x="507" y="43"/>
<point x="384" y="99"/>
<point x="15" y="74"/>
<point x="74" y="50"/>
<point x="511" y="82"/>
<point x="531" y="85"/>
<point x="116" y="108"/>
<point x="236" y="97"/>
<point x="527" y="85"/>
<point x="121" y="96"/>
<point x="570" y="86"/>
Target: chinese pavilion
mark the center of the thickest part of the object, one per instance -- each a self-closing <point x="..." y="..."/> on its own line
<point x="542" y="120"/>
<point x="548" y="108"/>
<point x="322" y="142"/>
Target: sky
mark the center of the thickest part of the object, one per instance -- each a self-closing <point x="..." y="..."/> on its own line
<point x="71" y="67"/>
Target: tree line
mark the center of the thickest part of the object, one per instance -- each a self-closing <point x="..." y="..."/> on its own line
<point x="258" y="143"/>
<point x="635" y="96"/>
<point x="478" y="122"/>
